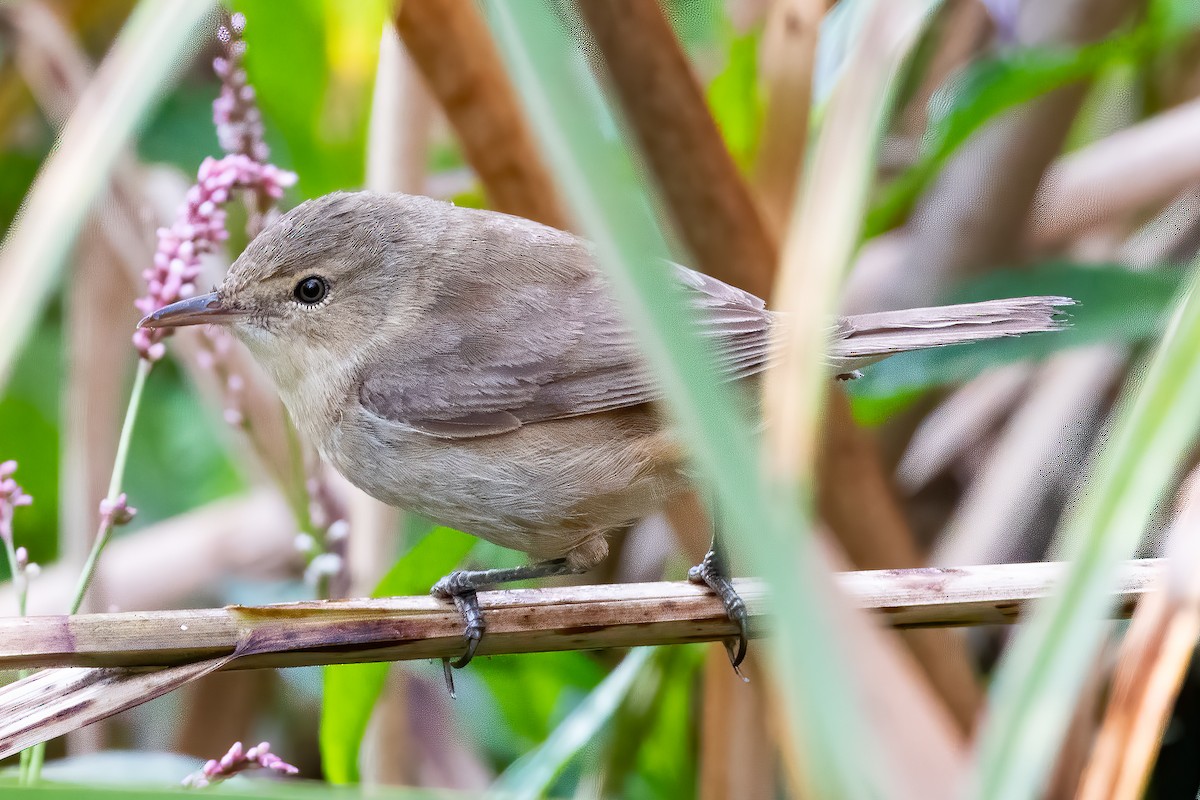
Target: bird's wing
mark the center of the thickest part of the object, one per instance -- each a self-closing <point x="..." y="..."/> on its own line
<point x="550" y="351"/>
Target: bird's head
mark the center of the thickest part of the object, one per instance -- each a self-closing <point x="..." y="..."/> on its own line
<point x="315" y="290"/>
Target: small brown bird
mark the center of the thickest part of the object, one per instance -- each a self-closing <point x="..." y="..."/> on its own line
<point x="472" y="367"/>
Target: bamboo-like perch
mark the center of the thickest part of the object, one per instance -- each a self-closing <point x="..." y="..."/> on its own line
<point x="519" y="620"/>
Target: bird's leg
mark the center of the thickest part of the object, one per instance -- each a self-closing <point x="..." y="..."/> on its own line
<point x="711" y="572"/>
<point x="461" y="587"/>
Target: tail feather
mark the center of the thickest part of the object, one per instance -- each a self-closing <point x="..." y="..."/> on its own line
<point x="864" y="338"/>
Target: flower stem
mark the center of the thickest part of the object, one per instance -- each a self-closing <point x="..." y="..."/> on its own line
<point x="18" y="578"/>
<point x="33" y="757"/>
<point x="20" y="585"/>
<point x="114" y="485"/>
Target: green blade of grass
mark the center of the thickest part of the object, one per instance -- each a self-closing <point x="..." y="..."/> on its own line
<point x="352" y="690"/>
<point x="155" y="43"/>
<point x="533" y="775"/>
<point x="821" y="704"/>
<point x="1034" y="694"/>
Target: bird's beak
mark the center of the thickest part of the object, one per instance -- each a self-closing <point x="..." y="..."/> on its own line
<point x="205" y="308"/>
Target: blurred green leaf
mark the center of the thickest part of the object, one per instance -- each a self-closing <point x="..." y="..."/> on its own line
<point x="29" y="434"/>
<point x="628" y="246"/>
<point x="696" y="22"/>
<point x="988" y="87"/>
<point x="532" y="693"/>
<point x="1174" y="19"/>
<point x="1152" y="430"/>
<point x="534" y="774"/>
<point x="352" y="690"/>
<point x="734" y="100"/>
<point x="652" y="748"/>
<point x="312" y="64"/>
<point x="1115" y="305"/>
<point x="982" y="91"/>
<point x="239" y="788"/>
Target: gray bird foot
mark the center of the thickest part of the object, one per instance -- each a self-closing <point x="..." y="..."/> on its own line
<point x="852" y="375"/>
<point x="710" y="573"/>
<point x="462" y="586"/>
<point x="458" y="587"/>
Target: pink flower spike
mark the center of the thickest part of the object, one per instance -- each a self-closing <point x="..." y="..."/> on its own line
<point x="199" y="229"/>
<point x="239" y="760"/>
<point x="199" y="226"/>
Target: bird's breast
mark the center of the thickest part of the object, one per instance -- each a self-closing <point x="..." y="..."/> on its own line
<point x="526" y="489"/>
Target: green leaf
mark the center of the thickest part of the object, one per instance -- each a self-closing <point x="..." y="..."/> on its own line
<point x="1115" y="305"/>
<point x="534" y="774"/>
<point x="533" y="692"/>
<point x="352" y="690"/>
<point x="312" y="64"/>
<point x="651" y="751"/>
<point x="983" y="91"/>
<point x="820" y="702"/>
<point x="734" y="101"/>
<point x="1151" y="432"/>
<point x="240" y="788"/>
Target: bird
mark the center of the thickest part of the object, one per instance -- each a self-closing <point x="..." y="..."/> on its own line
<point x="474" y="367"/>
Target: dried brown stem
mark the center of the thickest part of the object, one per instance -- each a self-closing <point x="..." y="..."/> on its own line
<point x="450" y="44"/>
<point x="1153" y="664"/>
<point x="1136" y="168"/>
<point x="709" y="204"/>
<point x="519" y="620"/>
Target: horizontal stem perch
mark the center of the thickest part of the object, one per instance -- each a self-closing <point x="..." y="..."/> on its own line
<point x="519" y="620"/>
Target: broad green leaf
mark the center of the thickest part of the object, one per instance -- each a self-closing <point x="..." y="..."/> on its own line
<point x="312" y="64"/>
<point x="734" y="101"/>
<point x="534" y="774"/>
<point x="154" y="44"/>
<point x="651" y="751"/>
<point x="1151" y="432"/>
<point x="351" y="690"/>
<point x="628" y="244"/>
<point x="1115" y="305"/>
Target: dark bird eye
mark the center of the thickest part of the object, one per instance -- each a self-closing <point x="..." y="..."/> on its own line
<point x="311" y="290"/>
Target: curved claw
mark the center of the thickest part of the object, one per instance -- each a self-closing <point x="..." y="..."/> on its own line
<point x="472" y="636"/>
<point x="737" y="657"/>
<point x="709" y="573"/>
<point x="457" y="587"/>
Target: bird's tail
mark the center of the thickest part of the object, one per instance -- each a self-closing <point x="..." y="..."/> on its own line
<point x="865" y="338"/>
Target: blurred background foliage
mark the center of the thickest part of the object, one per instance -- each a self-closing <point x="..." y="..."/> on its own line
<point x="313" y="65"/>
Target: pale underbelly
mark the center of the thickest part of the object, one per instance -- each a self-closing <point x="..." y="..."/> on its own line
<point x="543" y="488"/>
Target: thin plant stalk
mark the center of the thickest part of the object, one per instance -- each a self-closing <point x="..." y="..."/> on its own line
<point x="33" y="758"/>
<point x="706" y="410"/>
<point x="21" y="584"/>
<point x="104" y="534"/>
<point x="1041" y="674"/>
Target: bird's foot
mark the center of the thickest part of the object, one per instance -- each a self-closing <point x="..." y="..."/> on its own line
<point x="462" y="586"/>
<point x="710" y="573"/>
<point x="458" y="587"/>
<point x="852" y="375"/>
